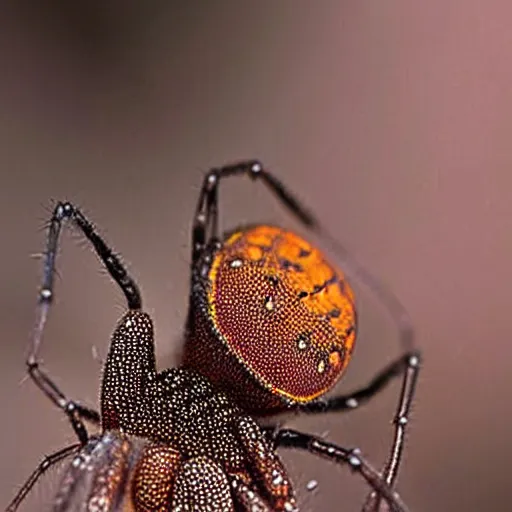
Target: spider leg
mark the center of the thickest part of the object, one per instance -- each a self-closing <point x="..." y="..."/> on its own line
<point x="206" y="226"/>
<point x="248" y="498"/>
<point x="407" y="365"/>
<point x="294" y="439"/>
<point x="400" y="421"/>
<point x="75" y="412"/>
<point x="43" y="466"/>
<point x="66" y="211"/>
<point x="265" y="466"/>
<point x="363" y="395"/>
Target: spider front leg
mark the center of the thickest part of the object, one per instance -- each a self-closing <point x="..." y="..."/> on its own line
<point x="293" y="439"/>
<point x="75" y="412"/>
<point x="66" y="211"/>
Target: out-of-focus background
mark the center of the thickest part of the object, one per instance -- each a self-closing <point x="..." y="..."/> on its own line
<point x="392" y="119"/>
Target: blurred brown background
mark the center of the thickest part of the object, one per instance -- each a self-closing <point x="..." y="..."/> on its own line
<point x="391" y="118"/>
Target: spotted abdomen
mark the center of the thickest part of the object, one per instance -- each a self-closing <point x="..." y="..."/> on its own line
<point x="282" y="313"/>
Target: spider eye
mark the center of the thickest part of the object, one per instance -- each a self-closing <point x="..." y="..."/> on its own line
<point x="274" y="323"/>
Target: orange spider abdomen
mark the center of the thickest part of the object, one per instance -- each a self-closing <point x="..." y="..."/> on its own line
<point x="282" y="310"/>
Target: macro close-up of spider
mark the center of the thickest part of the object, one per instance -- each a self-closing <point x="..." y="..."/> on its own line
<point x="270" y="329"/>
<point x="255" y="256"/>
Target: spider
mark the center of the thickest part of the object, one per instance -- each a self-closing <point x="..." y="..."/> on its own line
<point x="271" y="327"/>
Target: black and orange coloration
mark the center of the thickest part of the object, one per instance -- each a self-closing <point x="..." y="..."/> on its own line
<point x="271" y="327"/>
<point x="270" y="308"/>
